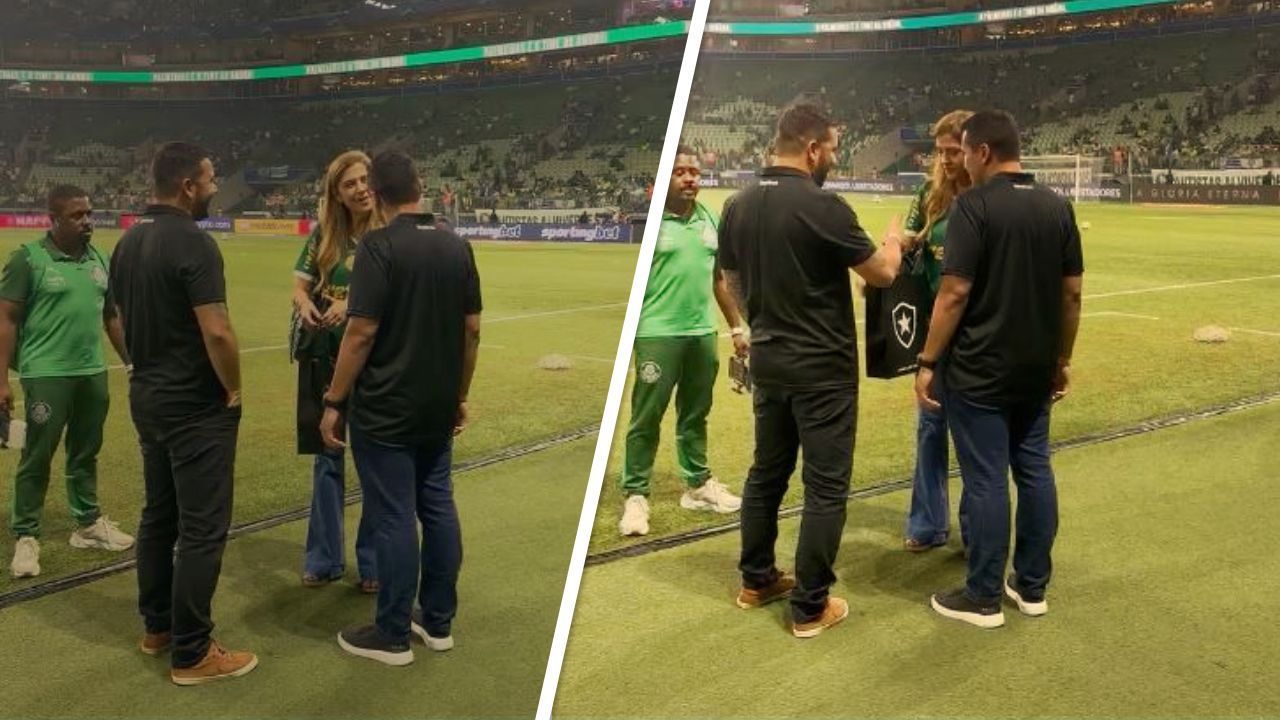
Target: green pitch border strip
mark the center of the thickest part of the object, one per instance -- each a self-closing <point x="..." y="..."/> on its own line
<point x="69" y="582"/>
<point x="926" y="22"/>
<point x="612" y="36"/>
<point x="1142" y="428"/>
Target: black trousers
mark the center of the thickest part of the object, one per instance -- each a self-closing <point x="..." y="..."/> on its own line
<point x="823" y="424"/>
<point x="187" y="468"/>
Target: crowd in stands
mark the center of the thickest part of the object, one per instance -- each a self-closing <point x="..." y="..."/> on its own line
<point x="1193" y="100"/>
<point x="588" y="145"/>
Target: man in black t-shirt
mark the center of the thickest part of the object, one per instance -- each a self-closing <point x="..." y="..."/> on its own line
<point x="405" y="365"/>
<point x="167" y="281"/>
<point x="786" y="247"/>
<point x="1009" y="308"/>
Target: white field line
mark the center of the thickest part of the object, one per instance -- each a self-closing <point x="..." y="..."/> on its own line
<point x="1114" y="314"/>
<point x="1183" y="286"/>
<point x="550" y="313"/>
<point x="504" y="318"/>
<point x="1098" y="296"/>
<point x="1251" y="331"/>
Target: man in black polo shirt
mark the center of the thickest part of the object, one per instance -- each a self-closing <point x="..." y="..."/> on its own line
<point x="406" y="363"/>
<point x="1009" y="308"/>
<point x="167" y="280"/>
<point x="786" y="246"/>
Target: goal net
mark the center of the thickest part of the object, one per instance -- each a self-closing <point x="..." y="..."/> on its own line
<point x="1078" y="177"/>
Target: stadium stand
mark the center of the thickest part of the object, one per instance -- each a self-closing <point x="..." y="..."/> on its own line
<point x="1189" y="96"/>
<point x="558" y="130"/>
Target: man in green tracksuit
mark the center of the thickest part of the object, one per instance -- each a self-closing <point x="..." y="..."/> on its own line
<point x="52" y="311"/>
<point x="676" y="351"/>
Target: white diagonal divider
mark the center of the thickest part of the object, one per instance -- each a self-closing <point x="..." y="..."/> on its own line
<point x="622" y="361"/>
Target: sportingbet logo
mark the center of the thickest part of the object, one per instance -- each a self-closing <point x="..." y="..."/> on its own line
<point x="509" y="232"/>
<point x="538" y="231"/>
<point x="589" y="234"/>
<point x="500" y="232"/>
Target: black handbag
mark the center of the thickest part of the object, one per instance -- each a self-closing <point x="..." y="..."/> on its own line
<point x="315" y="351"/>
<point x="896" y="324"/>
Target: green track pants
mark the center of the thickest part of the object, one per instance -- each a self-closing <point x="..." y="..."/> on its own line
<point x="688" y="366"/>
<point x="77" y="405"/>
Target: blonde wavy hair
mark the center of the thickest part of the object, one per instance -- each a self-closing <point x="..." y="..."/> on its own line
<point x="337" y="226"/>
<point x="941" y="190"/>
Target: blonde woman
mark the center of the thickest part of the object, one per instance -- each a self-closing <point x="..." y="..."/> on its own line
<point x="929" y="520"/>
<point x="346" y="212"/>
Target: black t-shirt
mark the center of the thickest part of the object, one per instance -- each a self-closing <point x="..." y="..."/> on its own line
<point x="161" y="270"/>
<point x="419" y="283"/>
<point x="792" y="244"/>
<point x="1016" y="240"/>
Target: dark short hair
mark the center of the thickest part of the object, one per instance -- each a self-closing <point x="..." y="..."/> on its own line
<point x="394" y="179"/>
<point x="173" y="163"/>
<point x="997" y="130"/>
<point x="60" y="194"/>
<point x="683" y="149"/>
<point x="799" y="123"/>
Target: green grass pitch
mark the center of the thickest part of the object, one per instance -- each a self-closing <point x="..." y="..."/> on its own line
<point x="1162" y="596"/>
<point x="539" y="299"/>
<point x="1152" y="276"/>
<point x="1162" y="605"/>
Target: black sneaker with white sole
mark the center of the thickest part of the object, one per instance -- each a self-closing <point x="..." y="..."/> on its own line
<point x="437" y="644"/>
<point x="957" y="605"/>
<point x="1030" y="604"/>
<point x="367" y="641"/>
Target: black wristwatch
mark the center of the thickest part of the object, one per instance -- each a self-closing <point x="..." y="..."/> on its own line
<point x="335" y="404"/>
<point x="925" y="364"/>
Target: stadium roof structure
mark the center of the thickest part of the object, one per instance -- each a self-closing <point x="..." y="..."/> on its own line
<point x="611" y="36"/>
<point x="925" y="22"/>
<point x="102" y="21"/>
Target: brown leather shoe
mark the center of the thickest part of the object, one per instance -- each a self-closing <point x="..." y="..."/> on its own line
<point x="917" y="546"/>
<point x="218" y="664"/>
<point x="837" y="609"/>
<point x="749" y="598"/>
<point x="154" y="644"/>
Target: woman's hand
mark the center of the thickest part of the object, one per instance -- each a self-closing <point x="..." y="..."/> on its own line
<point x="307" y="311"/>
<point x="337" y="314"/>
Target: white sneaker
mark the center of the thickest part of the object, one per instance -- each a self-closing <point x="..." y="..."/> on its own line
<point x="434" y="644"/>
<point x="26" y="558"/>
<point x="101" y="535"/>
<point x="713" y="495"/>
<point x="635" y="516"/>
<point x="1031" y="608"/>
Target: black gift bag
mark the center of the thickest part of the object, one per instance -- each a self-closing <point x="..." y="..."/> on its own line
<point x="896" y="324"/>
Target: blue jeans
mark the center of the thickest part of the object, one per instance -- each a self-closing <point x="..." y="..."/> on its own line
<point x="325" y="554"/>
<point x="989" y="442"/>
<point x="929" y="520"/>
<point x="402" y="484"/>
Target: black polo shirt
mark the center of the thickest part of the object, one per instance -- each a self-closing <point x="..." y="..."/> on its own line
<point x="161" y="270"/>
<point x="792" y="244"/>
<point x="419" y="283"/>
<point x="1016" y="240"/>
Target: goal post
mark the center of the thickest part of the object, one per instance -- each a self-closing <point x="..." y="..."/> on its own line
<point x="1078" y="177"/>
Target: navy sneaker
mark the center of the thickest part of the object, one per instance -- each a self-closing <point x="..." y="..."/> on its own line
<point x="368" y="641"/>
<point x="957" y="605"/>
